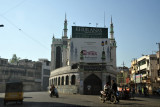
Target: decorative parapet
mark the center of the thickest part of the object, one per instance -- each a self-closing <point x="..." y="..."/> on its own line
<point x="62" y="70"/>
<point x="56" y="40"/>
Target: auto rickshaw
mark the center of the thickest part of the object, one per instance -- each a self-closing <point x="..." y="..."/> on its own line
<point x="14" y="92"/>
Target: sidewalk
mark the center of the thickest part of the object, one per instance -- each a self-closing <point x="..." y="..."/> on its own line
<point x="150" y="96"/>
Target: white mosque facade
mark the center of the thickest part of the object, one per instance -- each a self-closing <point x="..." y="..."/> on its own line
<point x="85" y="62"/>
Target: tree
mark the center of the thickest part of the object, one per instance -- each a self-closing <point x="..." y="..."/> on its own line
<point x="14" y="59"/>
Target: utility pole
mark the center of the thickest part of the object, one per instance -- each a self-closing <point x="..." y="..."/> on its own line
<point x="123" y="75"/>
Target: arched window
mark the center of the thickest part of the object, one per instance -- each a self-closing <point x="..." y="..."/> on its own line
<point x="58" y="80"/>
<point x="58" y="57"/>
<point x="73" y="80"/>
<point x="67" y="80"/>
<point x="52" y="81"/>
<point x="62" y="81"/>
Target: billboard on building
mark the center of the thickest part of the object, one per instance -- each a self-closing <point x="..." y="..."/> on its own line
<point x="138" y="78"/>
<point x="89" y="50"/>
<point x="89" y="32"/>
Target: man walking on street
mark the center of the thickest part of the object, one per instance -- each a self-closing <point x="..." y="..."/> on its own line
<point x="114" y="87"/>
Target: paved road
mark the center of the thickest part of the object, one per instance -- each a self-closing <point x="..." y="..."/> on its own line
<point x="42" y="99"/>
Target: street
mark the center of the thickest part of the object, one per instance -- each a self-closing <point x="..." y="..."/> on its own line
<point x="42" y="99"/>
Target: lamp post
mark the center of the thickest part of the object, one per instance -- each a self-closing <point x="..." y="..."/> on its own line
<point x="1" y="25"/>
<point x="103" y="57"/>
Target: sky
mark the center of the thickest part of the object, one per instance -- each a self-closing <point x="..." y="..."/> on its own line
<point x="29" y="25"/>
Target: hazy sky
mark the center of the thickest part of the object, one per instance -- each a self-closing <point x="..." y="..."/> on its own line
<point x="29" y="25"/>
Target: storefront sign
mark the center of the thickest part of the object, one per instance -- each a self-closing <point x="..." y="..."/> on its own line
<point x="138" y="78"/>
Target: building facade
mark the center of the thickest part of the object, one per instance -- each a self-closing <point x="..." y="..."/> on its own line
<point x="27" y="71"/>
<point x="144" y="72"/>
<point x="157" y="77"/>
<point x="123" y="76"/>
<point x="45" y="73"/>
<point x="85" y="62"/>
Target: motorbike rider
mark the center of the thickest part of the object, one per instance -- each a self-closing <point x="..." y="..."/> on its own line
<point x="106" y="89"/>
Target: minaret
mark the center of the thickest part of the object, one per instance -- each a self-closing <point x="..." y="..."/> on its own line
<point x="65" y="27"/>
<point x="64" y="43"/>
<point x="113" y="46"/>
<point x="111" y="30"/>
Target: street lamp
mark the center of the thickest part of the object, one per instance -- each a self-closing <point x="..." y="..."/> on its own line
<point x="1" y="25"/>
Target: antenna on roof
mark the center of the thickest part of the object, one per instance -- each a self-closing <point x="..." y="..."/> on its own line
<point x="104" y="19"/>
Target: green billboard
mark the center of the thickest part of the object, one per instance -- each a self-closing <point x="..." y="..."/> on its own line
<point x="89" y="32"/>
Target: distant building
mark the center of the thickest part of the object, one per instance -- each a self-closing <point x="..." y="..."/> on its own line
<point x="45" y="73"/>
<point x="122" y="76"/>
<point x="27" y="71"/>
<point x="144" y="72"/>
<point x="157" y="77"/>
<point x="85" y="62"/>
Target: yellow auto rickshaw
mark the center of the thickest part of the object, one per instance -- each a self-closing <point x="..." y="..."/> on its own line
<point x="14" y="92"/>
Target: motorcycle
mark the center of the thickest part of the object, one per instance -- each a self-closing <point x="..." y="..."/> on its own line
<point x="109" y="96"/>
<point x="54" y="93"/>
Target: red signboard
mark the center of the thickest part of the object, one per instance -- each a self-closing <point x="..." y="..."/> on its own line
<point x="127" y="80"/>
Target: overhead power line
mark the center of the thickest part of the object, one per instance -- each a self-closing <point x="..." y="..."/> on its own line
<point x="12" y="8"/>
<point x="24" y="33"/>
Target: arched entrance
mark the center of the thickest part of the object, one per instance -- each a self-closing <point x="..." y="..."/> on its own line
<point x="92" y="85"/>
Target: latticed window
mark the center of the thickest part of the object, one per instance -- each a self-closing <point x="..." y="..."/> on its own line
<point x="58" y="57"/>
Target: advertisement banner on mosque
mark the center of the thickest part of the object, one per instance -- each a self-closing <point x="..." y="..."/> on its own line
<point x="89" y="32"/>
<point x="89" y="50"/>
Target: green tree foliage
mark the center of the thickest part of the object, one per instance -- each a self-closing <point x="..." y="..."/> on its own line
<point x="14" y="59"/>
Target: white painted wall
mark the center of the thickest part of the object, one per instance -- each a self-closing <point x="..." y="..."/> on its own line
<point x="89" y="44"/>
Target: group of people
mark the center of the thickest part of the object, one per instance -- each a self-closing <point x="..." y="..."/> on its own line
<point x="143" y="90"/>
<point x="108" y="88"/>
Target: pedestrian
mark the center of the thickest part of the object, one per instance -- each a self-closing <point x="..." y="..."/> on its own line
<point x="133" y="92"/>
<point x="142" y="90"/>
<point x="114" y="87"/>
<point x="52" y="89"/>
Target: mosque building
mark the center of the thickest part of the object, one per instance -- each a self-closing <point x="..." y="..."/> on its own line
<point x="85" y="62"/>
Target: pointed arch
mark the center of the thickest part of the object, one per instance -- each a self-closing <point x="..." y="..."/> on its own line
<point x="92" y="85"/>
<point x="67" y="80"/>
<point x="73" y="80"/>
